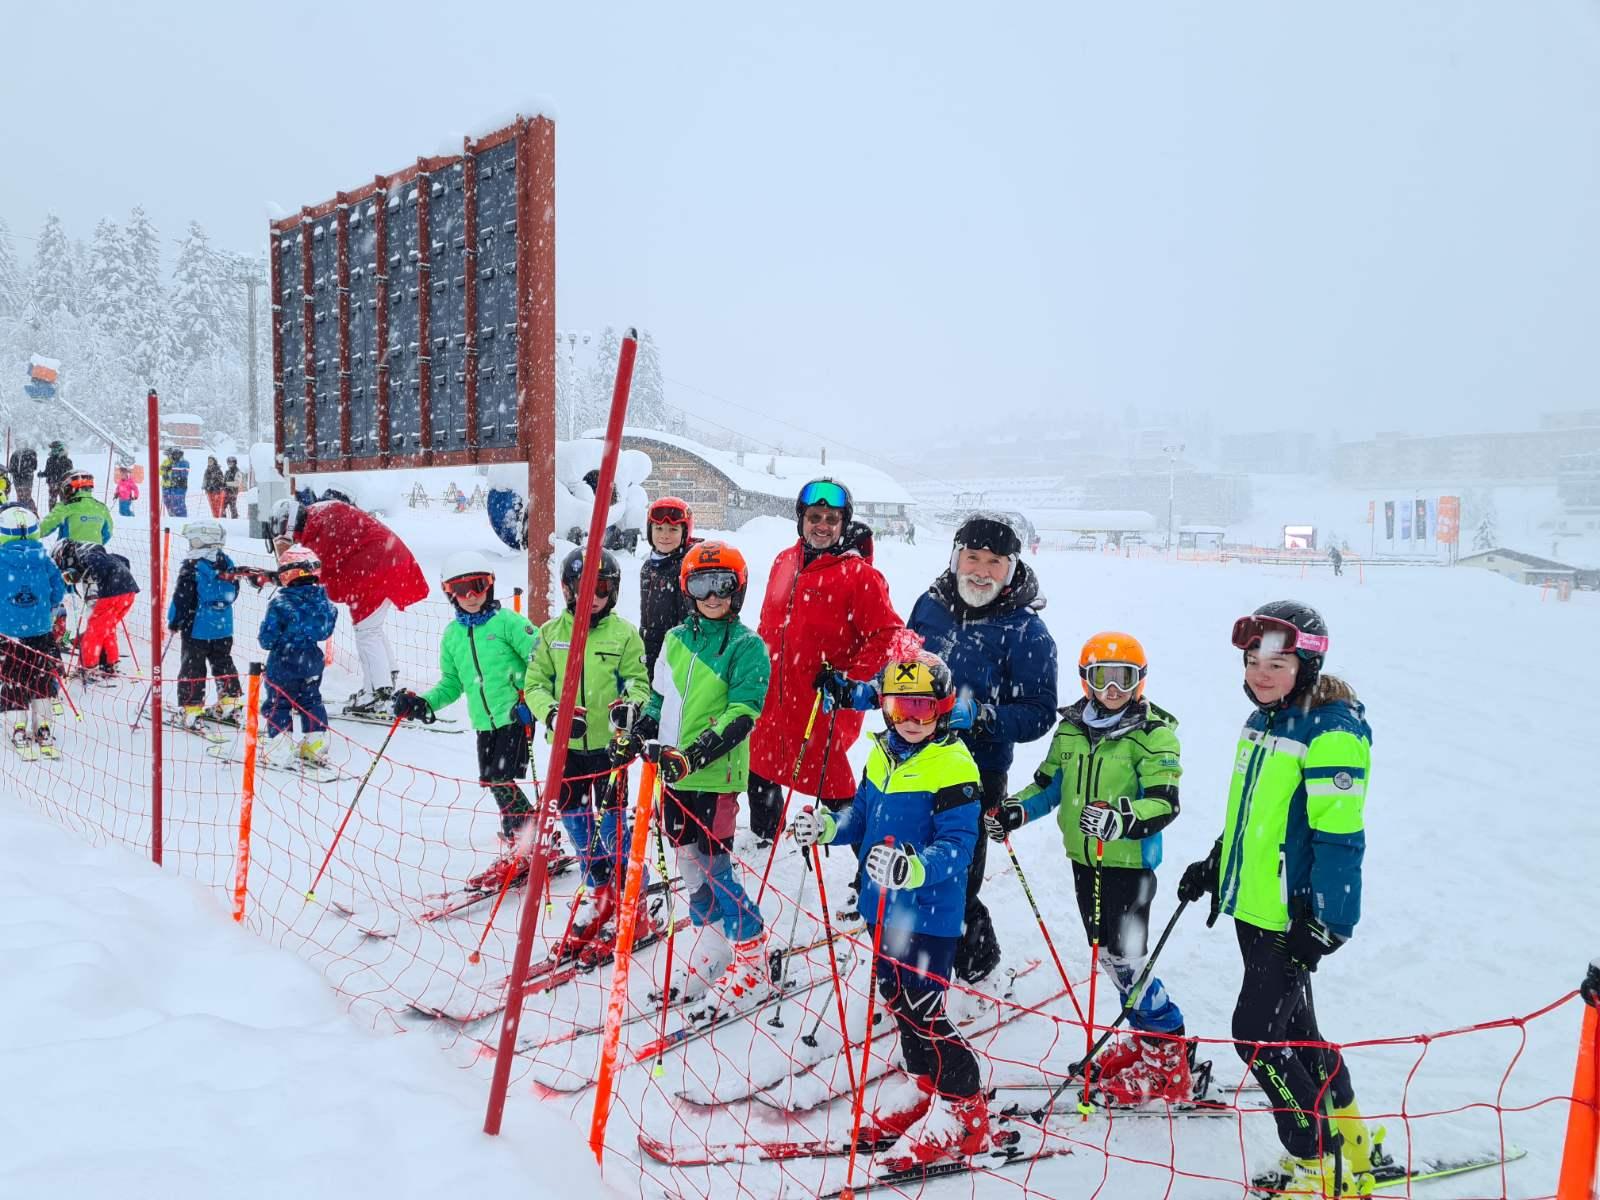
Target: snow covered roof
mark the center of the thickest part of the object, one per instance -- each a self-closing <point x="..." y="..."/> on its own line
<point x="1087" y="520"/>
<point x="181" y="419"/>
<point x="867" y="485"/>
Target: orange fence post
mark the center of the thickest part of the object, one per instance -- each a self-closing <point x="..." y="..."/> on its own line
<point x="1579" y="1159"/>
<point x="516" y="599"/>
<point x="247" y="795"/>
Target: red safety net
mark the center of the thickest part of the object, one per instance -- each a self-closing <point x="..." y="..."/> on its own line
<point x="724" y="1109"/>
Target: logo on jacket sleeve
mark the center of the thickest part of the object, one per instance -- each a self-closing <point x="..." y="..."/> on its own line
<point x="1343" y="781"/>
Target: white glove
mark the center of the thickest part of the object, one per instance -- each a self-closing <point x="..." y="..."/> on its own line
<point x="895" y="867"/>
<point x="811" y="827"/>
<point x="1106" y="821"/>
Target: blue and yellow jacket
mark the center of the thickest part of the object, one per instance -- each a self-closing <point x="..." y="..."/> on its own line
<point x="1294" y="839"/>
<point x="202" y="600"/>
<point x="927" y="797"/>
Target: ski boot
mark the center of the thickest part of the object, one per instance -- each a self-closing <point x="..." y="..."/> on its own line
<point x="952" y="1129"/>
<point x="591" y="910"/>
<point x="107" y="671"/>
<point x="193" y="718"/>
<point x="706" y="958"/>
<point x="900" y="1103"/>
<point x="507" y="871"/>
<point x="45" y="741"/>
<point x="1160" y="1073"/>
<point x="365" y="703"/>
<point x="746" y="980"/>
<point x="1356" y="1142"/>
<point x="1325" y="1176"/>
<point x="226" y="710"/>
<point x="313" y="751"/>
<point x="22" y="741"/>
<point x="277" y="750"/>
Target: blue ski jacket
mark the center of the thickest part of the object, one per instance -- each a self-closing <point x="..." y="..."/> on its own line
<point x="299" y="618"/>
<point x="202" y="600"/>
<point x="30" y="589"/>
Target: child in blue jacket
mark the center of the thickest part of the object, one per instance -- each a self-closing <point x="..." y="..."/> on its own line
<point x="914" y="824"/>
<point x="298" y="620"/>
<point x="201" y="611"/>
<point x="30" y="590"/>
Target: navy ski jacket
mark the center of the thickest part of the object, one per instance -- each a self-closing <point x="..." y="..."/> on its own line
<point x="30" y="589"/>
<point x="299" y="618"/>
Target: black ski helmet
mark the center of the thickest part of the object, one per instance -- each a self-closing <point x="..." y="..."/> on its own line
<point x="826" y="493"/>
<point x="1307" y="620"/>
<point x="572" y="571"/>
<point x="989" y="531"/>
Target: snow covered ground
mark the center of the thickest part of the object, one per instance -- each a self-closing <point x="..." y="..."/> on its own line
<point x="1478" y="874"/>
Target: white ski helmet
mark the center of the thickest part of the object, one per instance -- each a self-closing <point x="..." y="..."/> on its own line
<point x="288" y="516"/>
<point x="16" y="523"/>
<point x="463" y="564"/>
<point x="204" y="535"/>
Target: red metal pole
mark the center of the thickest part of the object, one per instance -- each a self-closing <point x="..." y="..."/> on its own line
<point x="544" y="822"/>
<point x="153" y="420"/>
<point x="536" y="346"/>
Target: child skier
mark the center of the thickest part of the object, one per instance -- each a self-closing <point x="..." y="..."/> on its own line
<point x="662" y="601"/>
<point x="1287" y="869"/>
<point x="591" y="810"/>
<point x="484" y="655"/>
<point x="201" y="611"/>
<point x="921" y="788"/>
<point x="299" y="618"/>
<point x="108" y="589"/>
<point x="78" y="517"/>
<point x="1112" y="772"/>
<point x="710" y="682"/>
<point x="127" y="491"/>
<point x="30" y="589"/>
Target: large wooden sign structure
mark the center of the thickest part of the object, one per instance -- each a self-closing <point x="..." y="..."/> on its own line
<point x="414" y="322"/>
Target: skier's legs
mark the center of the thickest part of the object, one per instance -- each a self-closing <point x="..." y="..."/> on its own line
<point x="1271" y="997"/>
<point x="502" y="758"/>
<point x="1126" y="894"/>
<point x="219" y="655"/>
<point x="276" y="709"/>
<point x="766" y="807"/>
<point x="191" y="672"/>
<point x="93" y="645"/>
<point x="979" y="952"/>
<point x="372" y="646"/>
<point x="308" y="697"/>
<point x="710" y="817"/>
<point x="913" y="972"/>
<point x="583" y="779"/>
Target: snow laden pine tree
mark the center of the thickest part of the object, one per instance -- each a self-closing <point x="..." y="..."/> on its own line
<point x="52" y="292"/>
<point x="12" y="297"/>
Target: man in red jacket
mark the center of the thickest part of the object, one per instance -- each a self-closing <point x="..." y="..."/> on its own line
<point x="825" y="603"/>
<point x="365" y="566"/>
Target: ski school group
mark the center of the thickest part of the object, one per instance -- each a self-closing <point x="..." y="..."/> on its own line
<point x="726" y="711"/>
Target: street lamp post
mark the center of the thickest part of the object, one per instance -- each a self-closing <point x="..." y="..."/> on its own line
<point x="1172" y="453"/>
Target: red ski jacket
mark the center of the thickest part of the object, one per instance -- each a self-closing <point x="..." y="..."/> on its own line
<point x="834" y="608"/>
<point x="363" y="562"/>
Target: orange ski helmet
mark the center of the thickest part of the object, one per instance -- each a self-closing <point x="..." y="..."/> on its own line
<point x="722" y="571"/>
<point x="1112" y="658"/>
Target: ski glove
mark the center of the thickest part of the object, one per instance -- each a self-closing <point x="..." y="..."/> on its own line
<point x="895" y="867"/>
<point x="1200" y="878"/>
<point x="1000" y="823"/>
<point x="811" y="827"/>
<point x="969" y="714"/>
<point x="1307" y="940"/>
<point x="411" y="707"/>
<point x="840" y="691"/>
<point x="624" y="747"/>
<point x="625" y="714"/>
<point x="579" y="725"/>
<point x="521" y="714"/>
<point x="1589" y="989"/>
<point x="676" y="764"/>
<point x="1106" y="821"/>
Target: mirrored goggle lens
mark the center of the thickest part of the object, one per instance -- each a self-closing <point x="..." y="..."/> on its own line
<point x="1275" y="636"/>
<point x="922" y="709"/>
<point x="823" y="492"/>
<point x="668" y="514"/>
<point x="468" y="585"/>
<point x="1100" y="676"/>
<point x="604" y="587"/>
<point x="702" y="585"/>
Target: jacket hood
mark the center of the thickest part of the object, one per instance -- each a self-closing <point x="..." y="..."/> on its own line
<point x="1139" y="714"/>
<point x="1022" y="592"/>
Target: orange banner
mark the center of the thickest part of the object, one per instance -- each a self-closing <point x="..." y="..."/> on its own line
<point x="1449" y="520"/>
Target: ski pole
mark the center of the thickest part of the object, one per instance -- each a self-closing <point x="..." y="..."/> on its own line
<point x="866" y="1044"/>
<point x="509" y="877"/>
<point x="1038" y="916"/>
<point x="1084" y="1105"/>
<point x="776" y="1020"/>
<point x="672" y="931"/>
<point x="144" y="703"/>
<point x="794" y="778"/>
<point x="833" y="962"/>
<point x="311" y="892"/>
<point x="1127" y="1008"/>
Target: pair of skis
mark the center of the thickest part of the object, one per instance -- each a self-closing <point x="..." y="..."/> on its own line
<point x="437" y="725"/>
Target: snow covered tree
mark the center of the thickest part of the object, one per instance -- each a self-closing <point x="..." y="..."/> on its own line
<point x="149" y="347"/>
<point x="52" y="288"/>
<point x="1478" y="513"/>
<point x="199" y="303"/>
<point x="11" y="293"/>
<point x="595" y="405"/>
<point x="647" y="402"/>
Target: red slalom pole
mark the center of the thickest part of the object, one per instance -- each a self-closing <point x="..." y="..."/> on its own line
<point x="311" y="892"/>
<point x="866" y="1045"/>
<point x="157" y="598"/>
<point x="542" y="828"/>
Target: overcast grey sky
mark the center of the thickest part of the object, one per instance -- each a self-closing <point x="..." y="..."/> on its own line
<point x="878" y="219"/>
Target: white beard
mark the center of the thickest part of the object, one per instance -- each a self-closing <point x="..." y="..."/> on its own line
<point x="976" y="590"/>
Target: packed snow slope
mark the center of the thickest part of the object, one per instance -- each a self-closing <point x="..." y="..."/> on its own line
<point x="152" y="1049"/>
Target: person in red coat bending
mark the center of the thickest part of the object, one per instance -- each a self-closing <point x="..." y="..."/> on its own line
<point x="825" y="603"/>
<point x="366" y="566"/>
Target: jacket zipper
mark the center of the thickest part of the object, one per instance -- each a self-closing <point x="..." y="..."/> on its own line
<point x="1235" y="864"/>
<point x="477" y="667"/>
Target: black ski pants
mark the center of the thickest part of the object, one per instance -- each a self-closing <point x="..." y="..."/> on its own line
<point x="503" y="759"/>
<point x="198" y="656"/>
<point x="978" y="952"/>
<point x="1302" y="1081"/>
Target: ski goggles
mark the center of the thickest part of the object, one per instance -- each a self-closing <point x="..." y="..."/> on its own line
<point x="824" y="492"/>
<point x="703" y="585"/>
<point x="1122" y="676"/>
<point x="924" y="710"/>
<point x="1272" y="635"/>
<point x="468" y="585"/>
<point x="663" y="513"/>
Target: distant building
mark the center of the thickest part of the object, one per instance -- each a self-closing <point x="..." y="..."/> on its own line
<point x="1578" y="482"/>
<point x="1528" y="457"/>
<point x="1068" y="527"/>
<point x="1199" y="497"/>
<point x="726" y="488"/>
<point x="182" y="429"/>
<point x="1273" y="452"/>
<point x="1523" y="568"/>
